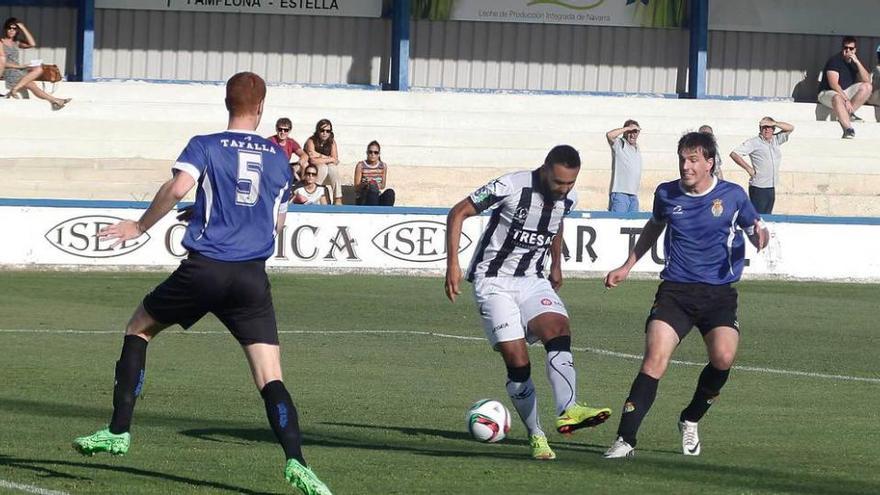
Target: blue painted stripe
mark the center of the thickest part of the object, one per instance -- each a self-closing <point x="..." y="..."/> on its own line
<point x="85" y="40"/>
<point x="407" y="210"/>
<point x="400" y="23"/>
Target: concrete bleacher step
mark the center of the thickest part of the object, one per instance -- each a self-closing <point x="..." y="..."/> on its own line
<point x="117" y="140"/>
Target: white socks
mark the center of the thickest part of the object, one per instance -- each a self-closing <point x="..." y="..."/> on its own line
<point x="562" y="377"/>
<point x="526" y="403"/>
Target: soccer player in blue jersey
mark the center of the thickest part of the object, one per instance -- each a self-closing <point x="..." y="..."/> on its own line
<point x="243" y="185"/>
<point x="705" y="254"/>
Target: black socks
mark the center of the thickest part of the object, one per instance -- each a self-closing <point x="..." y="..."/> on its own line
<point x="708" y="387"/>
<point x="641" y="397"/>
<point x="129" y="381"/>
<point x="283" y="419"/>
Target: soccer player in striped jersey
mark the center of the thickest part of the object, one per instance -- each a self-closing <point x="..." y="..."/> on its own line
<point x="705" y="254"/>
<point x="517" y="300"/>
<point x="241" y="204"/>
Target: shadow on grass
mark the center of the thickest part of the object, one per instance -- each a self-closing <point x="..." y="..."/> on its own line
<point x="649" y="465"/>
<point x="241" y="435"/>
<point x="37" y="465"/>
<point x="66" y="411"/>
<point x="652" y="464"/>
<point x="383" y="442"/>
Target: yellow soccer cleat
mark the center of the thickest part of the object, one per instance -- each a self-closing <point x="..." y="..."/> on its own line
<point x="540" y="448"/>
<point x="579" y="416"/>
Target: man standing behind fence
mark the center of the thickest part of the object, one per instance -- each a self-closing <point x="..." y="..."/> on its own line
<point x="626" y="167"/>
<point x="766" y="156"/>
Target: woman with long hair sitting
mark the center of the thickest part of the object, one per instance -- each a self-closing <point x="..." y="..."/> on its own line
<point x="321" y="148"/>
<point x="15" y="38"/>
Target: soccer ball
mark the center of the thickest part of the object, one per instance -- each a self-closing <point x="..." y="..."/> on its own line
<point x="488" y="420"/>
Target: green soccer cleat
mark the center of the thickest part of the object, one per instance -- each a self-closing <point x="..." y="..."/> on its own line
<point x="103" y="441"/>
<point x="540" y="448"/>
<point x="304" y="479"/>
<point x="579" y="416"/>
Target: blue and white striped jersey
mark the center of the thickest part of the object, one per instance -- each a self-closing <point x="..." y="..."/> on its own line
<point x="243" y="182"/>
<point x="522" y="226"/>
<point x="703" y="242"/>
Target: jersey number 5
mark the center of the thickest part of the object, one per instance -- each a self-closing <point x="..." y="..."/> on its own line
<point x="250" y="168"/>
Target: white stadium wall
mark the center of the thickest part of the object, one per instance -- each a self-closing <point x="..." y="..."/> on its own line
<point x="413" y="241"/>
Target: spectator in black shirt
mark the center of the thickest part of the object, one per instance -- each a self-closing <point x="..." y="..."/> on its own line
<point x="845" y="86"/>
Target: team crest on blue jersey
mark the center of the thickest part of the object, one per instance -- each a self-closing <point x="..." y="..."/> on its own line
<point x="717" y="207"/>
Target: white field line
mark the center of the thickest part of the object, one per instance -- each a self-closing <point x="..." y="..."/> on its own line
<point x="603" y="352"/>
<point x="29" y="488"/>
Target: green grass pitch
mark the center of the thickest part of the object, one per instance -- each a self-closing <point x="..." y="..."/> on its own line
<point x="383" y="412"/>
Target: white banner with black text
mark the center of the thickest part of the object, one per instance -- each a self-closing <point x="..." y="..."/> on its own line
<point x="45" y="236"/>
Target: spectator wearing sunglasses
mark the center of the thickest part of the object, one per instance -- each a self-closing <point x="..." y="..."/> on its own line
<point x="21" y="78"/>
<point x="310" y="193"/>
<point x="766" y="156"/>
<point x="371" y="177"/>
<point x="322" y="152"/>
<point x="845" y="86"/>
<point x="626" y="167"/>
<point x="283" y="127"/>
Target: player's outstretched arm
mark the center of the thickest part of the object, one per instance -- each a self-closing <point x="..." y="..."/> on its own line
<point x="169" y="194"/>
<point x="454" y="221"/>
<point x="649" y="236"/>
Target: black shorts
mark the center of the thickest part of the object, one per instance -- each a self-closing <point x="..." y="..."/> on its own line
<point x="238" y="293"/>
<point x="684" y="305"/>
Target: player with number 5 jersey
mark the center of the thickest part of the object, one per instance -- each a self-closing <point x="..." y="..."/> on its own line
<point x="241" y="203"/>
<point x="243" y="180"/>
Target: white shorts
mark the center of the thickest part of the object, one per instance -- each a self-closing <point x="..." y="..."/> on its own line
<point x="508" y="304"/>
<point x="826" y="96"/>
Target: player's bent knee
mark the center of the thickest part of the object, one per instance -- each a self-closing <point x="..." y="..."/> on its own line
<point x="654" y="366"/>
<point x="560" y="343"/>
<point x="143" y="325"/>
<point x="723" y="360"/>
<point x="519" y="374"/>
<point x="549" y="326"/>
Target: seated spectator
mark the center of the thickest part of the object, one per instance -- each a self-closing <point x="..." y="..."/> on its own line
<point x="370" y="179"/>
<point x="845" y="86"/>
<point x="283" y="127"/>
<point x="21" y="78"/>
<point x="310" y="193"/>
<point x="716" y="168"/>
<point x="322" y="152"/>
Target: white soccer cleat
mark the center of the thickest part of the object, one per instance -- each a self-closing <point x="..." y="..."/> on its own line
<point x="620" y="449"/>
<point x="690" y="438"/>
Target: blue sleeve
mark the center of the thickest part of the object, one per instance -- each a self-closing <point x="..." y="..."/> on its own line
<point x="657" y="213"/>
<point x="193" y="159"/>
